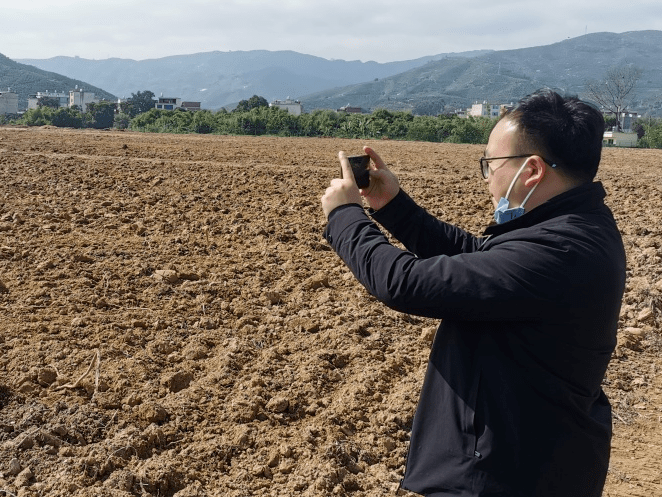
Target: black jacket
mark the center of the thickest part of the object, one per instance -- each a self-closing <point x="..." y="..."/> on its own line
<point x="512" y="403"/>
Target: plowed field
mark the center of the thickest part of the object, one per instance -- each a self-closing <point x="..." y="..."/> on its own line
<point x="173" y="324"/>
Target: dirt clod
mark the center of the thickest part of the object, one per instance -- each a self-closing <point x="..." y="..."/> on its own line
<point x="23" y="478"/>
<point x="167" y="275"/>
<point x="46" y="376"/>
<point x="14" y="467"/>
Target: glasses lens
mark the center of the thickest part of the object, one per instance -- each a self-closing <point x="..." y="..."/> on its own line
<point x="484" y="167"/>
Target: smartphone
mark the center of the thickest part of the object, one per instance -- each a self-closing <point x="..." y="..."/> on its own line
<point x="361" y="169"/>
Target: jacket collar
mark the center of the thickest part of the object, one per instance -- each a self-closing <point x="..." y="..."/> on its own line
<point x="582" y="198"/>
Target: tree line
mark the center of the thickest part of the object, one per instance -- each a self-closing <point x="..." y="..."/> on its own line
<point x="265" y="120"/>
<point x="97" y="115"/>
<point x="254" y="116"/>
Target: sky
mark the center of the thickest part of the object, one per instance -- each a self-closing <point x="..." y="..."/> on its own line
<point x="379" y="30"/>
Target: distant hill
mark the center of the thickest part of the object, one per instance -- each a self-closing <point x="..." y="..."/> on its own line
<point x="443" y="81"/>
<point x="25" y="80"/>
<point x="219" y="79"/>
<point x="508" y="75"/>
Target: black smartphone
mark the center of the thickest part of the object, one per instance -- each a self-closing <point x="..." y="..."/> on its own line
<point x="361" y="169"/>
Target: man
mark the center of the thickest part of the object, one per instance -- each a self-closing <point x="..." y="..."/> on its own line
<point x="511" y="404"/>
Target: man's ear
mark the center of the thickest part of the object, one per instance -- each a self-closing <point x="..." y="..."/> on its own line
<point x="538" y="167"/>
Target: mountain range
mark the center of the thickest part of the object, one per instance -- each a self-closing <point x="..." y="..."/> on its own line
<point x="507" y="75"/>
<point x="218" y="79"/>
<point x="444" y="81"/>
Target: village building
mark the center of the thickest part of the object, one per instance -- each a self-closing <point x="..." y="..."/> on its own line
<point x="627" y="120"/>
<point x="78" y="97"/>
<point x="81" y="98"/>
<point x="173" y="103"/>
<point x="485" y="109"/>
<point x="620" y="139"/>
<point x="350" y="110"/>
<point x="622" y="135"/>
<point x="61" y="97"/>
<point x="8" y="102"/>
<point x="192" y="106"/>
<point x="294" y="107"/>
<point x="168" y="103"/>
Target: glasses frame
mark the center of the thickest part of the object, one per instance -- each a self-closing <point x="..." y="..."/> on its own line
<point x="485" y="162"/>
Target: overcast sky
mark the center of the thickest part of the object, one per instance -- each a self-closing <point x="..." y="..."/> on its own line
<point x="380" y="30"/>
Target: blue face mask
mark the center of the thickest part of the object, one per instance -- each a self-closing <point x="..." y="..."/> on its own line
<point x="504" y="213"/>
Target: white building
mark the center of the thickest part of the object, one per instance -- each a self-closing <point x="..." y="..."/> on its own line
<point x="620" y="139"/>
<point x="61" y="97"/>
<point x="167" y="103"/>
<point x="8" y="102"/>
<point x="294" y="107"/>
<point x="486" y="109"/>
<point x="81" y="98"/>
<point x="625" y="137"/>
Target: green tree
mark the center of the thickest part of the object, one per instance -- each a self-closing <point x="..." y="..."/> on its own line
<point x="67" y="118"/>
<point x="252" y="103"/>
<point x="280" y="122"/>
<point x="122" y="120"/>
<point x="423" y="128"/>
<point x="384" y="114"/>
<point x="174" y="121"/>
<point x="99" y="115"/>
<point x="140" y="102"/>
<point x="652" y="134"/>
<point x="142" y="121"/>
<point x="398" y="129"/>
<point x="446" y="125"/>
<point x="224" y="122"/>
<point x="471" y="130"/>
<point x="35" y="117"/>
<point x="50" y="102"/>
<point x="253" y="122"/>
<point x="319" y="123"/>
<point x="203" y="122"/>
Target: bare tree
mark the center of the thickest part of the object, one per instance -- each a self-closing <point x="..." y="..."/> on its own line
<point x="615" y="92"/>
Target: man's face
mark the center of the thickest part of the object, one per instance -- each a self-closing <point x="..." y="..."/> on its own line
<point x="502" y="143"/>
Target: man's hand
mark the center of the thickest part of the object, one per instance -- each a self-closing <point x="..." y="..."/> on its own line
<point x="384" y="185"/>
<point x="341" y="191"/>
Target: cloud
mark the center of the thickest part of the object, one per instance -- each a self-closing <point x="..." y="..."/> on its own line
<point x="382" y="30"/>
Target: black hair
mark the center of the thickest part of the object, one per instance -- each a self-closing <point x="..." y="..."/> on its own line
<point x="565" y="130"/>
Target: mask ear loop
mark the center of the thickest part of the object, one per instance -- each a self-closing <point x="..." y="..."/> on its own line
<point x="527" y="197"/>
<point x="512" y="183"/>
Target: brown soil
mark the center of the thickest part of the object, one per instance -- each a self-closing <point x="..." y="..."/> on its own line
<point x="228" y="351"/>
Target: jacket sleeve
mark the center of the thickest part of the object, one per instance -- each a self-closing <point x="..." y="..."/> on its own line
<point x="419" y="231"/>
<point x="516" y="279"/>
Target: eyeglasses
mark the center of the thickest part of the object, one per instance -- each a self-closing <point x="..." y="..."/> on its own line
<point x="485" y="162"/>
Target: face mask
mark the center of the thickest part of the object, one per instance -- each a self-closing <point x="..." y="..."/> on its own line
<point x="503" y="212"/>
